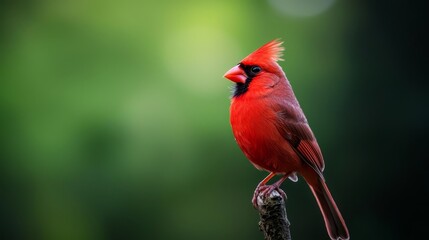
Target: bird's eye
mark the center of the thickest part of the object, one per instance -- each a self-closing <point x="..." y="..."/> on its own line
<point x="255" y="69"/>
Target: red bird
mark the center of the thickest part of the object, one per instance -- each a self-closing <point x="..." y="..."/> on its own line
<point x="272" y="130"/>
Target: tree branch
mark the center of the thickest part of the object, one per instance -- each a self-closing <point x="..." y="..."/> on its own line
<point x="273" y="219"/>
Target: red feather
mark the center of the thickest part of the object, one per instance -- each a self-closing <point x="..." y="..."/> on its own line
<point x="270" y="52"/>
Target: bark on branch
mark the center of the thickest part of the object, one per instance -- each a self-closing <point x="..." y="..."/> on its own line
<point x="273" y="219"/>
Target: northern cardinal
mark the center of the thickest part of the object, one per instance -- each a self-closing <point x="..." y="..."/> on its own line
<point x="272" y="131"/>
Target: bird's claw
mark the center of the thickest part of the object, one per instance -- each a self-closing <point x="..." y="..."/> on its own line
<point x="265" y="191"/>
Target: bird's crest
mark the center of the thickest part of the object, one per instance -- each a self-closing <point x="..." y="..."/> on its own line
<point x="270" y="52"/>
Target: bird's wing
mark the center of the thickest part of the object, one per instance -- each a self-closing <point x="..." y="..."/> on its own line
<point x="293" y="126"/>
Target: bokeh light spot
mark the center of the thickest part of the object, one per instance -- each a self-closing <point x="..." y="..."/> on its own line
<point x="301" y="8"/>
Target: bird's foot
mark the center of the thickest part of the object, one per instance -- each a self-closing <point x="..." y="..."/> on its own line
<point x="265" y="191"/>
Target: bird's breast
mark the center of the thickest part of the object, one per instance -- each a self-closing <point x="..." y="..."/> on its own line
<point x="254" y="128"/>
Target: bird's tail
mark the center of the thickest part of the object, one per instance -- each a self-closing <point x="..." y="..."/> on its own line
<point x="334" y="222"/>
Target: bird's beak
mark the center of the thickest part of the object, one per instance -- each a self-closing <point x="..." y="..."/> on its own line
<point x="236" y="74"/>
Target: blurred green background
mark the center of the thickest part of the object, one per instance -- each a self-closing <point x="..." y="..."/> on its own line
<point x="114" y="116"/>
